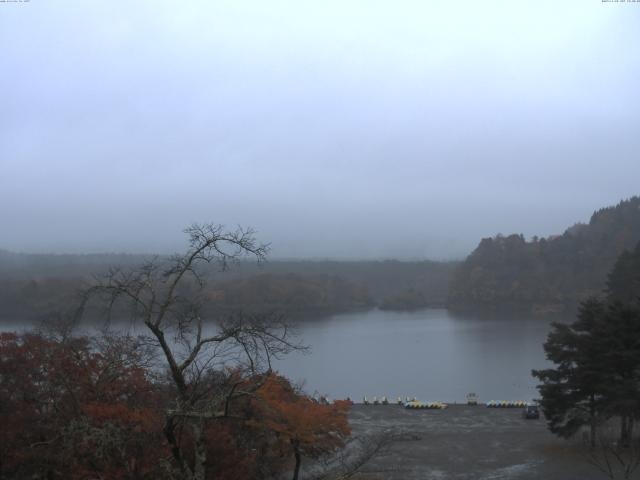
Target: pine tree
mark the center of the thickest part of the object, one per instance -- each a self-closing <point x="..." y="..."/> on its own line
<point x="572" y="392"/>
<point x="619" y="340"/>
<point x="597" y="370"/>
<point x="623" y="283"/>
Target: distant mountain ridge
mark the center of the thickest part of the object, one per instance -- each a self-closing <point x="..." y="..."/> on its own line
<point x="547" y="274"/>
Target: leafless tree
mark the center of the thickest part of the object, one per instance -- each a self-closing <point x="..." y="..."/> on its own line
<point x="614" y="459"/>
<point x="168" y="297"/>
<point x="354" y="460"/>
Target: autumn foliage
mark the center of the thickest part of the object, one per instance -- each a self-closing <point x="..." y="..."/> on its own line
<point x="69" y="411"/>
<point x="190" y="400"/>
<point x="80" y="408"/>
<point x="299" y="424"/>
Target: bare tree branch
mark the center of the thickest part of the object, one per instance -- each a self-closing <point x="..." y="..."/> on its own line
<point x="167" y="297"/>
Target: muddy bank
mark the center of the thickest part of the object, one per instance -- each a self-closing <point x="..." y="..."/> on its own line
<point x="474" y="443"/>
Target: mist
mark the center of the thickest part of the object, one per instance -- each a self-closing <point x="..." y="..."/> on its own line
<point x="335" y="129"/>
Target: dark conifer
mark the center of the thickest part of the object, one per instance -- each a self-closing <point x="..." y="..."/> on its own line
<point x="572" y="392"/>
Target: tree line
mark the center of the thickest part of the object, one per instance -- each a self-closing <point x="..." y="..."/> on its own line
<point x="34" y="286"/>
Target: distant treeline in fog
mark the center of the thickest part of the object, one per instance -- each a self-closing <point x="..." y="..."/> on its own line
<point x="35" y="286"/>
<point x="542" y="275"/>
<point x="547" y="274"/>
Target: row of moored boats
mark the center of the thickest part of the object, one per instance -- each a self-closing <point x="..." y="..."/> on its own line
<point x="414" y="403"/>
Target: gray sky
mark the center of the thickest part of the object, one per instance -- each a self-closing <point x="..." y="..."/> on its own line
<point x="347" y="128"/>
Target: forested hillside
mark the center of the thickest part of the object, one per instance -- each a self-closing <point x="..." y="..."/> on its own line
<point x="35" y="286"/>
<point x="547" y="274"/>
<point x="291" y="293"/>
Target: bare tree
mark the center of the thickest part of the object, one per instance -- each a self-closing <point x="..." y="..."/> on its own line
<point x="354" y="460"/>
<point x="168" y="297"/>
<point x="613" y="458"/>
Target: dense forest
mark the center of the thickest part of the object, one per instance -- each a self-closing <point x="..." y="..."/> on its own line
<point x="34" y="286"/>
<point x="547" y="274"/>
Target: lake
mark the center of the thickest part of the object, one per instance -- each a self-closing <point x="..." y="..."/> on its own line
<point x="431" y="354"/>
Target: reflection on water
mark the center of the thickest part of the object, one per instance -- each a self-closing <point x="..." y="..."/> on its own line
<point x="431" y="354"/>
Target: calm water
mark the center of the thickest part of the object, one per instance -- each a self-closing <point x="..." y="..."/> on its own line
<point x="431" y="354"/>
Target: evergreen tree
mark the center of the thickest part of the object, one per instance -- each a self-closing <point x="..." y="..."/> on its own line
<point x="619" y="340"/>
<point x="623" y="283"/>
<point x="597" y="370"/>
<point x="572" y="392"/>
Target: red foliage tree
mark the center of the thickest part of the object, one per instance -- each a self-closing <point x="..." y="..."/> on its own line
<point x="72" y="410"/>
<point x="299" y="424"/>
<point x="83" y="408"/>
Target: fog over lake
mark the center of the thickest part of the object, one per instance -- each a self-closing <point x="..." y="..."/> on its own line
<point x="432" y="354"/>
<point x="337" y="129"/>
<point x="248" y="206"/>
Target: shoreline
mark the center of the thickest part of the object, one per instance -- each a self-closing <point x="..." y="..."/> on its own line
<point x="469" y="443"/>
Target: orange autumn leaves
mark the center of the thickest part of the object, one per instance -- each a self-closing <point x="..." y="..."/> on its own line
<point x="78" y="409"/>
<point x="317" y="428"/>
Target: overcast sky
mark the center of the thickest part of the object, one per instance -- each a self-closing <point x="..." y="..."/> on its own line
<point x="360" y="129"/>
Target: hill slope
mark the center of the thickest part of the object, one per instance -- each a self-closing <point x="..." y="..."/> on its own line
<point x="547" y="274"/>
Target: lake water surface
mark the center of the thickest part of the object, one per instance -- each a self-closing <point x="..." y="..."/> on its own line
<point x="431" y="354"/>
